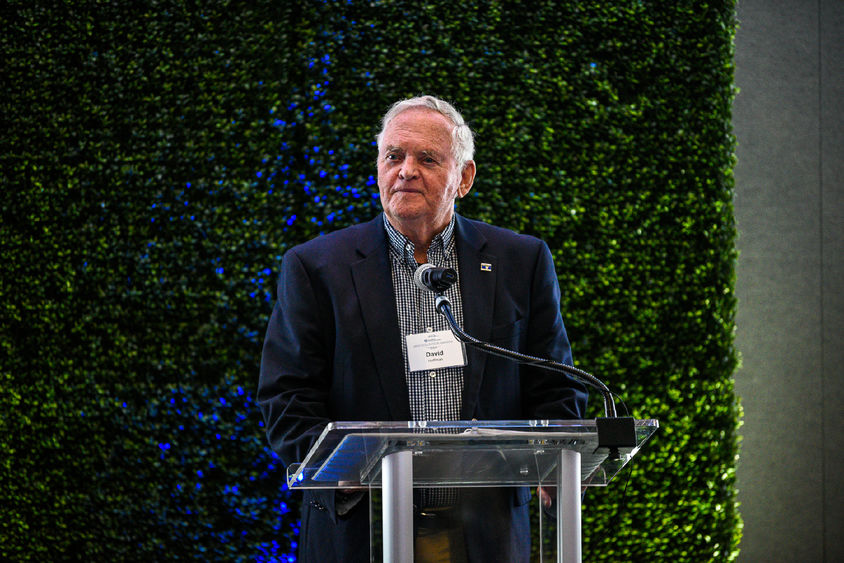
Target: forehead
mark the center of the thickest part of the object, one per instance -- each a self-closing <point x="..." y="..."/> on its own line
<point x="419" y="128"/>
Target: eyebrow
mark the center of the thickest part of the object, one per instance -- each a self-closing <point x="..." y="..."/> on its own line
<point x="425" y="152"/>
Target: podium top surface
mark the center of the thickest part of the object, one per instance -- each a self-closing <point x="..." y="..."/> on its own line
<point x="462" y="453"/>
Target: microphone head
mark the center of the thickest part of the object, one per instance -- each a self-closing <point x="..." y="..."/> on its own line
<point x="434" y="279"/>
<point x="417" y="276"/>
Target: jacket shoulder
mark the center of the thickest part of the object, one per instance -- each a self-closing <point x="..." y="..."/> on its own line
<point x="502" y="237"/>
<point x="343" y="244"/>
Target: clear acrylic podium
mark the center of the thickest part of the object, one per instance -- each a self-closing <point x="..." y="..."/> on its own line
<point x="398" y="456"/>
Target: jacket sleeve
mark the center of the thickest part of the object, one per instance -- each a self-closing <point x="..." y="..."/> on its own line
<point x="296" y="364"/>
<point x="548" y="394"/>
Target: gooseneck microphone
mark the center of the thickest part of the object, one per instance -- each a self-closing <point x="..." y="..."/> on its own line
<point x="439" y="280"/>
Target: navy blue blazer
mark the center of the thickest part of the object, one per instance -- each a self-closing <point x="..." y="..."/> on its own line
<point x="333" y="352"/>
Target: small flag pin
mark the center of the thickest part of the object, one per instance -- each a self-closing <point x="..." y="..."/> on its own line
<point x="486" y="267"/>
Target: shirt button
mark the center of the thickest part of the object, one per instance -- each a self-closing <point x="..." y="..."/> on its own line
<point x="432" y="373"/>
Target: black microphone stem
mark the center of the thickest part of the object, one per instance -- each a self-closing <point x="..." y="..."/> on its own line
<point x="443" y="306"/>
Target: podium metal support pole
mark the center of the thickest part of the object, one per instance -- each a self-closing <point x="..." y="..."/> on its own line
<point x="397" y="491"/>
<point x="568" y="507"/>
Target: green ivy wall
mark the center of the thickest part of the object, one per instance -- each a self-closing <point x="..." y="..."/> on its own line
<point x="159" y="157"/>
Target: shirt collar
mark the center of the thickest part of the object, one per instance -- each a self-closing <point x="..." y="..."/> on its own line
<point x="403" y="248"/>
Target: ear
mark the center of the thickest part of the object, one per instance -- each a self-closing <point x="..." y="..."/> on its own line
<point x="467" y="178"/>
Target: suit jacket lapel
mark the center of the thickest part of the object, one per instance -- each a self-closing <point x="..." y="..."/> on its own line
<point x="373" y="282"/>
<point x="477" y="289"/>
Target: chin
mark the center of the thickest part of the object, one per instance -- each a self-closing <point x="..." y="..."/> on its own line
<point x="404" y="213"/>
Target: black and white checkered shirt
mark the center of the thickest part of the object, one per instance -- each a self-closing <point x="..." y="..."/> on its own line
<point x="434" y="394"/>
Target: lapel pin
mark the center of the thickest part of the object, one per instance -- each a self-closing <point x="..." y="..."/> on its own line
<point x="486" y="267"/>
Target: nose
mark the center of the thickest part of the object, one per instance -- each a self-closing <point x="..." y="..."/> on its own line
<point x="408" y="169"/>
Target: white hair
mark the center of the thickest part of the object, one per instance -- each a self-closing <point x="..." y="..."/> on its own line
<point x="462" y="138"/>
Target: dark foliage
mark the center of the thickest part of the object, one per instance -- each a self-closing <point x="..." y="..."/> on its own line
<point x="159" y="157"/>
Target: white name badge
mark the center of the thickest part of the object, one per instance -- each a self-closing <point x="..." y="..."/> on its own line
<point x="434" y="350"/>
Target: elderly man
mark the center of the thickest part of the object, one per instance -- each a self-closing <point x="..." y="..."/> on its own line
<point x="336" y="345"/>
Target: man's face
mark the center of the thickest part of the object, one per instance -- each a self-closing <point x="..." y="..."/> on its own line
<point x="418" y="177"/>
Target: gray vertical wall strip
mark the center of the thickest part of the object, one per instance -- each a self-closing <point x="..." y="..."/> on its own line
<point x="790" y="214"/>
<point x="832" y="191"/>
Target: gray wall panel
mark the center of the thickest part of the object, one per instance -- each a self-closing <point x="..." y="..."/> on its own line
<point x="790" y="214"/>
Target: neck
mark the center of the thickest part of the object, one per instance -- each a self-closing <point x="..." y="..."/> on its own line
<point x="420" y="233"/>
